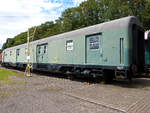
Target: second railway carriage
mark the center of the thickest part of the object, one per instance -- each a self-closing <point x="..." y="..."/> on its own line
<point x="147" y="51"/>
<point x="147" y="48"/>
<point x="108" y="49"/>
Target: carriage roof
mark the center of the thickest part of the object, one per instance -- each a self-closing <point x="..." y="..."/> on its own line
<point x="114" y="24"/>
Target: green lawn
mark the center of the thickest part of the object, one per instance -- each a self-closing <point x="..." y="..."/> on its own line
<point x="5" y="74"/>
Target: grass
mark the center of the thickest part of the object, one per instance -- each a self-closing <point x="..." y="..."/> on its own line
<point x="6" y="80"/>
<point x="5" y="74"/>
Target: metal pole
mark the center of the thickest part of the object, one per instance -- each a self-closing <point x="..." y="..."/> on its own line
<point x="32" y="46"/>
<point x="28" y="67"/>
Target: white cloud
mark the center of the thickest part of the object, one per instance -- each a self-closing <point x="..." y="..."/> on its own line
<point x="17" y="16"/>
<point x="77" y="2"/>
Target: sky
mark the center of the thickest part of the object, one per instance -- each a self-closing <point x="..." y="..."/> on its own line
<point x="17" y="16"/>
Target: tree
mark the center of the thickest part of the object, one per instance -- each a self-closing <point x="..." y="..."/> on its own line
<point x="88" y="13"/>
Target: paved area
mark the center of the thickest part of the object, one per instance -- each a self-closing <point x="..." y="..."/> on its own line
<point x="121" y="99"/>
<point x="49" y="94"/>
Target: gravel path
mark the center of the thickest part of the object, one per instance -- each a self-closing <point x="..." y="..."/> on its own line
<point x="49" y="94"/>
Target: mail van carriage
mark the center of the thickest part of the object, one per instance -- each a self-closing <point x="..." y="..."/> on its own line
<point x="108" y="49"/>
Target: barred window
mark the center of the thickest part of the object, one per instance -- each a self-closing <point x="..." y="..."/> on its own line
<point x="94" y="42"/>
<point x="69" y="45"/>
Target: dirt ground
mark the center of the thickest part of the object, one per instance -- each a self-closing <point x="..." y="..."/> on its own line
<point x="56" y="94"/>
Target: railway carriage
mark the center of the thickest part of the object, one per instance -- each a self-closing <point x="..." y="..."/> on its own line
<point x="147" y="48"/>
<point x="108" y="49"/>
<point x="147" y="51"/>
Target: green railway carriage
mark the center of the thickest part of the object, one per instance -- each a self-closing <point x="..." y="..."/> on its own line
<point x="147" y="52"/>
<point x="108" y="49"/>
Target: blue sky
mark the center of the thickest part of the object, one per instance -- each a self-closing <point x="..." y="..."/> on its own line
<point x="17" y="16"/>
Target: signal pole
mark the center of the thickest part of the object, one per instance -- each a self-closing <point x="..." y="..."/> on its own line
<point x="28" y="67"/>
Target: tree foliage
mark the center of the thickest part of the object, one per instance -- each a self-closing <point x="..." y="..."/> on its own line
<point x="88" y="13"/>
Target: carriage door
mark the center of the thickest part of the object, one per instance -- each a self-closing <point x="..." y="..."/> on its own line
<point x="94" y="49"/>
<point x="42" y="53"/>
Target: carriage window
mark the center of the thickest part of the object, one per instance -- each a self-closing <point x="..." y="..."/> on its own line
<point x="39" y="50"/>
<point x="18" y="50"/>
<point x="94" y="42"/>
<point x="45" y="49"/>
<point x="69" y="45"/>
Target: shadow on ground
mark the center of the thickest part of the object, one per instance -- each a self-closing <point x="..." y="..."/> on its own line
<point x="143" y="83"/>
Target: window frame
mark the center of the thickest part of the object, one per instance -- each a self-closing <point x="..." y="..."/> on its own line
<point x="18" y="52"/>
<point x="45" y="49"/>
<point x="98" y="42"/>
<point x="69" y="44"/>
<point x="39" y="50"/>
